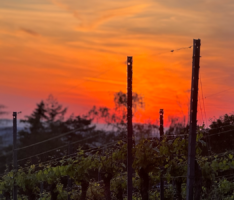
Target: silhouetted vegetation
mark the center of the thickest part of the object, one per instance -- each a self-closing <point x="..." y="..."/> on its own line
<point x="53" y="148"/>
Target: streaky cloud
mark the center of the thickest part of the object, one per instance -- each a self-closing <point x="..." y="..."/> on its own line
<point x="29" y="31"/>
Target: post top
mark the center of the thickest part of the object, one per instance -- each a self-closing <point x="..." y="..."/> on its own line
<point x="129" y="58"/>
<point x="14" y="113"/>
<point x="197" y="41"/>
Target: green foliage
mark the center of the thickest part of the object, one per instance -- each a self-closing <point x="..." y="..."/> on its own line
<point x="154" y="157"/>
<point x="221" y="134"/>
<point x="95" y="191"/>
<point x="100" y="173"/>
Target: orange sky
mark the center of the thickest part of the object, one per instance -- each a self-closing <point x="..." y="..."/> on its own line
<point x="77" y="50"/>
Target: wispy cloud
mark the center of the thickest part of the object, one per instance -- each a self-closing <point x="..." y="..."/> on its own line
<point x="104" y="81"/>
<point x="92" y="17"/>
<point x="29" y="32"/>
<point x="112" y="14"/>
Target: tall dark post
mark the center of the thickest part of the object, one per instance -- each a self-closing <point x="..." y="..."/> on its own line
<point x="193" y="120"/>
<point x="161" y="128"/>
<point x="161" y="187"/>
<point x="129" y="121"/>
<point x="41" y="188"/>
<point x="69" y="183"/>
<point x="161" y="137"/>
<point x="15" y="151"/>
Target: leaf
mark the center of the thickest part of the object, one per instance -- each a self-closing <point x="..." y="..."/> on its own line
<point x="166" y="166"/>
<point x="100" y="167"/>
<point x="123" y="165"/>
<point x="202" y="142"/>
<point x="156" y="149"/>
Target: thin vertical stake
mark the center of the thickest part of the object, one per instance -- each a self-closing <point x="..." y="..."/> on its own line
<point x="193" y="120"/>
<point x="129" y="126"/>
<point x="41" y="188"/>
<point x="161" y="187"/>
<point x="161" y="128"/>
<point x="161" y="138"/>
<point x="69" y="183"/>
<point x="15" y="152"/>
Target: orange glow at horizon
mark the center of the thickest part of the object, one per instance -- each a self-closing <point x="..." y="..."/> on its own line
<point x="77" y="51"/>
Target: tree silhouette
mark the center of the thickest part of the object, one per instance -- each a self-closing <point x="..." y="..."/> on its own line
<point x="220" y="136"/>
<point x="47" y="121"/>
<point x="1" y="109"/>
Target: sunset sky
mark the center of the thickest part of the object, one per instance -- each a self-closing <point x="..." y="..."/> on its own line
<point x="77" y="51"/>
